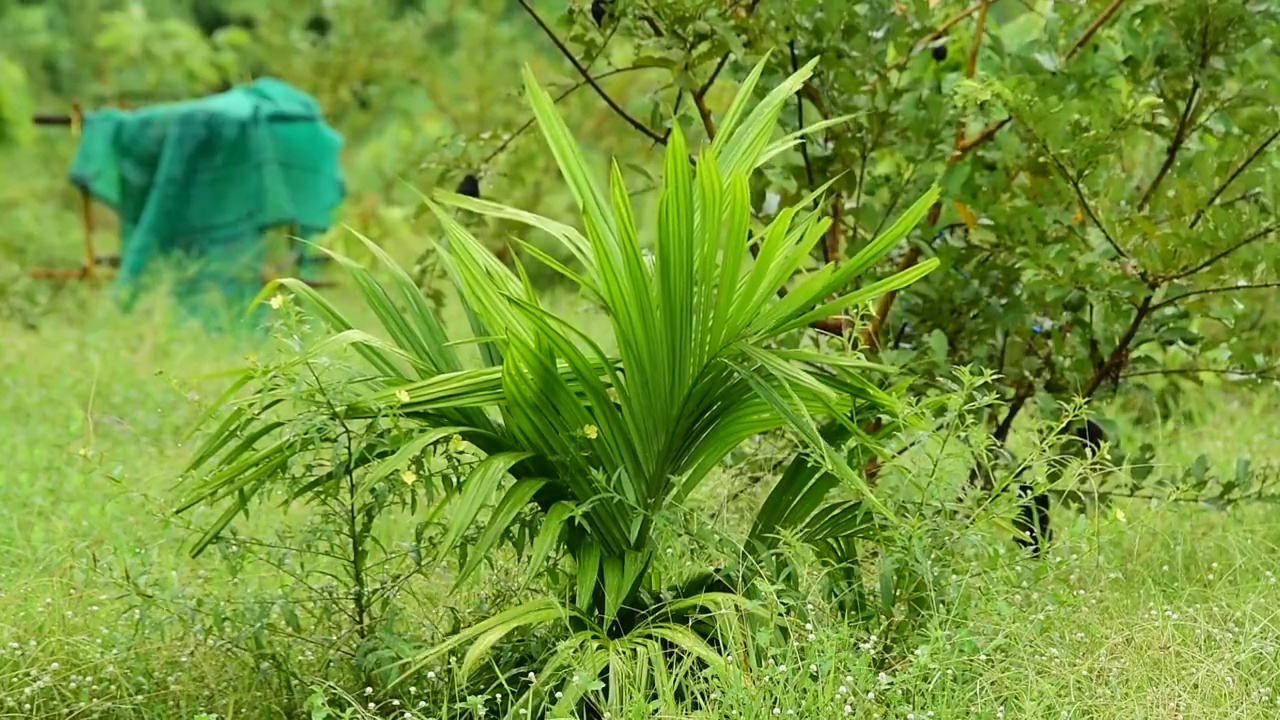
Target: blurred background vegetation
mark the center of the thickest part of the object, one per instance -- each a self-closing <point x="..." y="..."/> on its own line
<point x="1109" y="172"/>
<point x="423" y="93"/>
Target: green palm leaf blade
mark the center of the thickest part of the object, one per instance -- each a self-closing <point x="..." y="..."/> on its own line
<point x="529" y="614"/>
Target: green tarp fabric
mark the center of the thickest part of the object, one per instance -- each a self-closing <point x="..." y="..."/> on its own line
<point x="198" y="182"/>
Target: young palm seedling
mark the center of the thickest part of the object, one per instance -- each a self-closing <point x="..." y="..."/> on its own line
<point x="602" y="444"/>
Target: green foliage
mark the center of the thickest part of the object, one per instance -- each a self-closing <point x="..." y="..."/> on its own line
<point x="1107" y="202"/>
<point x="451" y="476"/>
<point x="603" y="444"/>
<point x="163" y="59"/>
<point x="15" y="109"/>
<point x="407" y="120"/>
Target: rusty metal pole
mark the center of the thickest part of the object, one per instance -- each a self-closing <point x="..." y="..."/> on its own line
<point x="86" y="203"/>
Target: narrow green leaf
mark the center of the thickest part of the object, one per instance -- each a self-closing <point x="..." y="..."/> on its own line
<point x="478" y="487"/>
<point x="516" y="498"/>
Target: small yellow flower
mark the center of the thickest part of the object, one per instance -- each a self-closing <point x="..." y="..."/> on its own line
<point x="591" y="431"/>
<point x="455" y="443"/>
<point x="409" y="477"/>
<point x="1120" y="515"/>
<point x="402" y="395"/>
<point x="276" y="301"/>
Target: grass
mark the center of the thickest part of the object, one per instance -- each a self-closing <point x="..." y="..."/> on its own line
<point x="1155" y="611"/>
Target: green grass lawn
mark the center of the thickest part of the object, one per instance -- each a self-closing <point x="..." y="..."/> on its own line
<point x="1154" y="611"/>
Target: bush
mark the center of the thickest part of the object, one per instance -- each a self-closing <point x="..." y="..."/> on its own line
<point x="1107" y="173"/>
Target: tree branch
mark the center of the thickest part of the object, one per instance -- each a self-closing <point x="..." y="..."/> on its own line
<point x="1266" y="374"/>
<point x="1256" y="497"/>
<point x="1023" y="393"/>
<point x="870" y="335"/>
<point x="1094" y="26"/>
<point x="979" y="6"/>
<point x="939" y="32"/>
<point x="1180" y="135"/>
<point x="971" y="64"/>
<point x="1115" y="361"/>
<point x="700" y="95"/>
<point x="586" y="76"/>
<point x="971" y="144"/>
<point x="561" y="96"/>
<point x="1084" y="201"/>
<point x="1223" y="254"/>
<point x="705" y="87"/>
<point x="1215" y="290"/>
<point x="709" y="125"/>
<point x="1253" y="156"/>
<point x="804" y="141"/>
<point x="831" y="242"/>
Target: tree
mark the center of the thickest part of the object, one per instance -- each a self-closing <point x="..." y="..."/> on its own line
<point x="1108" y="171"/>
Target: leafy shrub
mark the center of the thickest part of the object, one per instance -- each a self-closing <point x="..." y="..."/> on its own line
<point x="1108" y="174"/>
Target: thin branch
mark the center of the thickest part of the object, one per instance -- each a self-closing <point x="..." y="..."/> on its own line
<point x="860" y="183"/>
<point x="704" y="113"/>
<point x="980" y="5"/>
<point x="899" y="191"/>
<point x="700" y="95"/>
<point x="1023" y="393"/>
<point x="939" y="32"/>
<point x="1257" y="497"/>
<point x="653" y="26"/>
<point x="979" y="32"/>
<point x="831" y="242"/>
<point x="1220" y="106"/>
<point x="1259" y="235"/>
<point x="969" y="145"/>
<point x="586" y="76"/>
<point x="810" y="93"/>
<point x="804" y="141"/>
<point x="705" y="87"/>
<point x="1180" y="135"/>
<point x="1266" y="374"/>
<point x="1253" y="156"/>
<point x="1214" y="290"/>
<point x="675" y="113"/>
<point x="971" y="65"/>
<point x="870" y="335"/>
<point x="1249" y="196"/>
<point x="1112" y="365"/>
<point x="1094" y="26"/>
<point x="563" y="94"/>
<point x="1084" y="201"/>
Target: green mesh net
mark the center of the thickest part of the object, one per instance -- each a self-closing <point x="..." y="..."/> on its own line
<point x="197" y="183"/>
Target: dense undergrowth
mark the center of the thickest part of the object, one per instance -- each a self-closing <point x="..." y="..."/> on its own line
<point x="1150" y="610"/>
